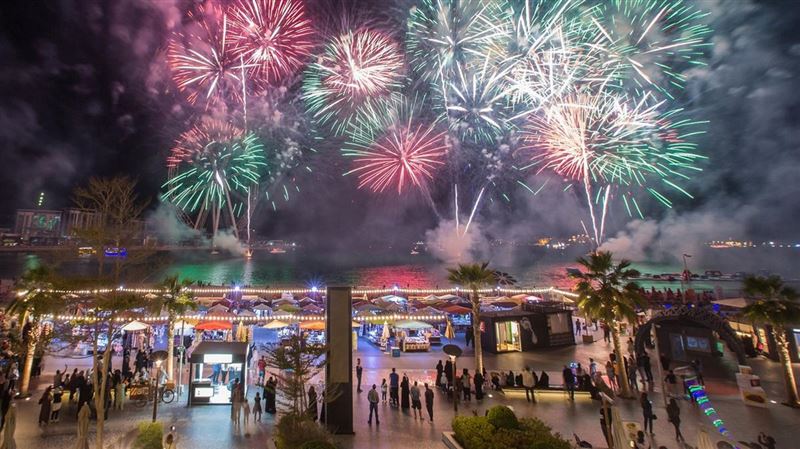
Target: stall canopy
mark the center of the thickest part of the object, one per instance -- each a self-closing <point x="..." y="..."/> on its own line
<point x="411" y="324"/>
<point x="214" y="326"/>
<point x="134" y="326"/>
<point x="275" y="324"/>
<point x="320" y="325"/>
<point x="457" y="310"/>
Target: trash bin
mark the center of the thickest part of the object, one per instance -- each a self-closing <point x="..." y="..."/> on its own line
<point x="395" y="351"/>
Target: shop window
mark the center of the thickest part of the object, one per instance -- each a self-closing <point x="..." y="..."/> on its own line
<point x="508" y="336"/>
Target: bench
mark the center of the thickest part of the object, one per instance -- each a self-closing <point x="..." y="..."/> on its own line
<point x="553" y="392"/>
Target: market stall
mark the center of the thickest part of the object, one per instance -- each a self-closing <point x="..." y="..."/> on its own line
<point x="413" y="335"/>
<point x="213" y="368"/>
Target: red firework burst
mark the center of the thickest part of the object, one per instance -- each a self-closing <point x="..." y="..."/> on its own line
<point x="200" y="138"/>
<point x="404" y="154"/>
<point x="202" y="65"/>
<point x="273" y="37"/>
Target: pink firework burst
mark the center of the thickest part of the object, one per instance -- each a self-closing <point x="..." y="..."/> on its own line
<point x="200" y="139"/>
<point x="272" y="37"/>
<point x="201" y="62"/>
<point x="404" y="154"/>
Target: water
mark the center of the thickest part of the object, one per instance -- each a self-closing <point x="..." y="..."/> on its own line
<point x="307" y="268"/>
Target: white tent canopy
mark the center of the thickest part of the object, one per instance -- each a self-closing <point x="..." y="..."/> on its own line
<point x="134" y="326"/>
<point x="411" y="324"/>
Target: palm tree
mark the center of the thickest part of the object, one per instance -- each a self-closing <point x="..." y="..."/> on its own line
<point x="605" y="293"/>
<point x="34" y="301"/>
<point x="775" y="305"/>
<point x="474" y="277"/>
<point x="176" y="301"/>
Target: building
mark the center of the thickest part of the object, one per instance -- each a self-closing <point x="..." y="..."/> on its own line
<point x="38" y="226"/>
<point x="76" y="220"/>
<point x="527" y="328"/>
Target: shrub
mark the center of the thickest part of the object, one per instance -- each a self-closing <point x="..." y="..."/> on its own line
<point x="502" y="417"/>
<point x="478" y="432"/>
<point x="293" y="431"/>
<point x="150" y="436"/>
<point x="318" y="445"/>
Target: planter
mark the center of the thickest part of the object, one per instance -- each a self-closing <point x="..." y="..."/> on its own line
<point x="449" y="440"/>
<point x="588" y="338"/>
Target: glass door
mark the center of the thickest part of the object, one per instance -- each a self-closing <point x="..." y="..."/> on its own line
<point x="508" y="336"/>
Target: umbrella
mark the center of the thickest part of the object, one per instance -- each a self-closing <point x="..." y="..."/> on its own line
<point x="241" y="332"/>
<point x="214" y="326"/>
<point x="11" y="424"/>
<point x="411" y="324"/>
<point x="135" y="326"/>
<point x="385" y="333"/>
<point x="275" y="324"/>
<point x="83" y="428"/>
<point x="703" y="440"/>
<point x="449" y="333"/>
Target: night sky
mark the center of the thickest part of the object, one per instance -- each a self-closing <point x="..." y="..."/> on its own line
<point x="84" y="90"/>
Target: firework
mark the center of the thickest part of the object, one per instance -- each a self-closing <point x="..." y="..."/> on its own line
<point x="648" y="44"/>
<point x="354" y="79"/>
<point x="213" y="165"/>
<point x="445" y="34"/>
<point x="406" y="152"/>
<point x="201" y="62"/>
<point x="273" y="37"/>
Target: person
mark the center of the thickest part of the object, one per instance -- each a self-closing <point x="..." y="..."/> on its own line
<point x="13" y="375"/>
<point x="577" y="326"/>
<point x="592" y="367"/>
<point x="73" y="384"/>
<point x="372" y="397"/>
<point x="569" y="382"/>
<point x="269" y="395"/>
<point x="639" y="442"/>
<point x="359" y="372"/>
<point x="629" y="363"/>
<point x="416" y="403"/>
<point x="394" y="387"/>
<point x="665" y="361"/>
<point x="698" y="370"/>
<point x="606" y="333"/>
<point x="674" y="416"/>
<point x="766" y="440"/>
<point x="384" y="390"/>
<point x="58" y="378"/>
<point x="46" y="402"/>
<point x="648" y="368"/>
<point x="467" y="338"/>
<point x="439" y="371"/>
<point x="510" y="379"/>
<point x="257" y="408"/>
<point x="323" y="407"/>
<point x="612" y="377"/>
<point x="448" y="374"/>
<point x="478" y="381"/>
<point x="672" y="383"/>
<point x="466" y="388"/>
<point x="119" y="395"/>
<point x="246" y="411"/>
<point x="405" y="393"/>
<point x="236" y="404"/>
<point x="579" y="371"/>
<point x="529" y="382"/>
<point x="58" y="393"/>
<point x="312" y="403"/>
<point x="647" y="412"/>
<point x="544" y="381"/>
<point x="262" y="370"/>
<point x="429" y="401"/>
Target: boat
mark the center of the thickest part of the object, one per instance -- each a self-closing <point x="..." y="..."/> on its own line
<point x="277" y="251"/>
<point x="85" y="252"/>
<point x="113" y="251"/>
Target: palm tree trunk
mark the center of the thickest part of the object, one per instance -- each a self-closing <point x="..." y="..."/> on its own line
<point x="788" y="375"/>
<point x="27" y="366"/>
<point x="170" y="346"/>
<point x="622" y="374"/>
<point x="476" y="331"/>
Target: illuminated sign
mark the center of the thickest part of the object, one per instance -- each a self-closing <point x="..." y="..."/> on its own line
<point x="203" y="392"/>
<point x="217" y="358"/>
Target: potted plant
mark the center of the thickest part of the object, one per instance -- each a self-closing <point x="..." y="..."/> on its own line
<point x="501" y="429"/>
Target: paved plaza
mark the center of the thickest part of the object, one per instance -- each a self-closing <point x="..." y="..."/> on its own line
<point x="210" y="427"/>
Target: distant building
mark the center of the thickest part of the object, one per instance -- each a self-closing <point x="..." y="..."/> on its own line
<point x="76" y="220"/>
<point x="38" y="226"/>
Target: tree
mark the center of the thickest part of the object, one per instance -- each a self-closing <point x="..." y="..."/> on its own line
<point x="35" y="301"/>
<point x="605" y="293"/>
<point x="474" y="277"/>
<point x="775" y="305"/>
<point x="296" y="363"/>
<point x="175" y="301"/>
<point x="119" y="211"/>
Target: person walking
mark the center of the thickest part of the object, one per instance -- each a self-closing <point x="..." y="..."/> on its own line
<point x="46" y="402"/>
<point x="269" y="396"/>
<point x="606" y="333"/>
<point x="577" y="326"/>
<point x="465" y="384"/>
<point x="55" y="410"/>
<point x="478" y="381"/>
<point x="359" y="372"/>
<point x="246" y="412"/>
<point x="262" y="370"/>
<point x="648" y="367"/>
<point x="384" y="390"/>
<point x="674" y="416"/>
<point x="257" y="408"/>
<point x="405" y="393"/>
<point x="467" y="338"/>
<point x="569" y="382"/>
<point x="592" y="367"/>
<point x="529" y="382"/>
<point x="416" y="403"/>
<point x="612" y="377"/>
<point x="373" y="399"/>
<point x="312" y="404"/>
<point x="429" y="401"/>
<point x="394" y="388"/>
<point x="439" y="371"/>
<point x="647" y="412"/>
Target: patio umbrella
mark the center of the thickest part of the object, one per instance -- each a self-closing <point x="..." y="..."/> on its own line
<point x="385" y="333"/>
<point x="275" y="324"/>
<point x="449" y="333"/>
<point x="11" y="425"/>
<point x="83" y="428"/>
<point x="241" y="332"/>
<point x="134" y="326"/>
<point x="703" y="440"/>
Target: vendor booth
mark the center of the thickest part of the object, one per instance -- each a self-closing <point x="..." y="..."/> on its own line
<point x="213" y="368"/>
<point x="525" y="330"/>
<point x="413" y="335"/>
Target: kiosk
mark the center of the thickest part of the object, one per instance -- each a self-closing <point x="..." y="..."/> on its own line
<point x="213" y="368"/>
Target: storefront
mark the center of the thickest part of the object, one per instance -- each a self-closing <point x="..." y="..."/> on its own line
<point x="526" y="330"/>
<point x="213" y="368"/>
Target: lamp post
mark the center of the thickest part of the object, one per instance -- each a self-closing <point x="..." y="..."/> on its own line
<point x="156" y="398"/>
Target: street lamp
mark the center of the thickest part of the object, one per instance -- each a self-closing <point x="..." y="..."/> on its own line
<point x="156" y="398"/>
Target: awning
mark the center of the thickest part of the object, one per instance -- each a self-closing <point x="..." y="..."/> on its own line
<point x="411" y="324"/>
<point x="214" y="326"/>
<point x="457" y="310"/>
<point x="275" y="324"/>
